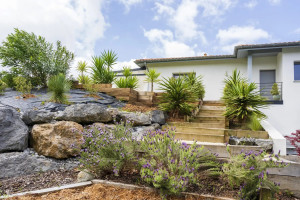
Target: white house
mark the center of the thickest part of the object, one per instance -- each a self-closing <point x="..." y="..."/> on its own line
<point x="263" y="64"/>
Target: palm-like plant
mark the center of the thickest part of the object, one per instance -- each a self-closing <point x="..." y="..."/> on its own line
<point x="128" y="81"/>
<point x="196" y="85"/>
<point x="152" y="77"/>
<point x="242" y="99"/>
<point x="82" y="67"/>
<point x="101" y="72"/>
<point x="109" y="57"/>
<point x="58" y="85"/>
<point x="177" y="97"/>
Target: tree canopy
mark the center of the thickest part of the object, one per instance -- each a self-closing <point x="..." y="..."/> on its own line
<point x="34" y="57"/>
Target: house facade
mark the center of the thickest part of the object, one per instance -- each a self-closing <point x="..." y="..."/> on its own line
<point x="264" y="64"/>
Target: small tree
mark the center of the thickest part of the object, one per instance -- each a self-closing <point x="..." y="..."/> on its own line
<point x="82" y="67"/>
<point x="22" y="85"/>
<point x="33" y="57"/>
<point x="152" y="77"/>
<point x="274" y="90"/>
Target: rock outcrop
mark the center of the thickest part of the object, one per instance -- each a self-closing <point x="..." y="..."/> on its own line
<point x="158" y="116"/>
<point x="31" y="117"/>
<point x="13" y="131"/>
<point x="137" y="119"/>
<point x="57" y="140"/>
<point x="85" y="113"/>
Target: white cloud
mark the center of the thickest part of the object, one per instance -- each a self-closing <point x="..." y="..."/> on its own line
<point x="129" y="3"/>
<point x="274" y="2"/>
<point x="120" y="64"/>
<point x="215" y="7"/>
<point x="164" y="44"/>
<point x="251" y="4"/>
<point x="78" y="24"/>
<point x="236" y="35"/>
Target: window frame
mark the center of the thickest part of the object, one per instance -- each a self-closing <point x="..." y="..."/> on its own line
<point x="297" y="63"/>
<point x="179" y="74"/>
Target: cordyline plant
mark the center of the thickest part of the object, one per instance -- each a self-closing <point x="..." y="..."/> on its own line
<point x="107" y="151"/>
<point x="171" y="165"/>
<point x="295" y="140"/>
<point x="249" y="171"/>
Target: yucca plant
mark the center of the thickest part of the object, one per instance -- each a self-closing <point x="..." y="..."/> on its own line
<point x="82" y="67"/>
<point x="254" y="123"/>
<point x="177" y="98"/>
<point x="128" y="81"/>
<point x="101" y="69"/>
<point x="195" y="82"/>
<point x="152" y="77"/>
<point x="58" y="85"/>
<point x="242" y="99"/>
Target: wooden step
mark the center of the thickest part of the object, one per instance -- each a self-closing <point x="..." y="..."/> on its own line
<point x="213" y="103"/>
<point x="213" y="108"/>
<point x="199" y="125"/>
<point x="200" y="138"/>
<point x="197" y="130"/>
<point x="218" y="113"/>
<point x="207" y="119"/>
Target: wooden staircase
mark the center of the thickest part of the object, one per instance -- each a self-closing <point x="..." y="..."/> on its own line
<point x="208" y="126"/>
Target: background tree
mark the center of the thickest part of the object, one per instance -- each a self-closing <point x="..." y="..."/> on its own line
<point x="152" y="77"/>
<point x="33" y="57"/>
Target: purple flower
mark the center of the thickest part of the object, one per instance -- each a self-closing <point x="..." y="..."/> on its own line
<point x="252" y="168"/>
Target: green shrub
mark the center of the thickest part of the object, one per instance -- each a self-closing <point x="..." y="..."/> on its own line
<point x="22" y="85"/>
<point x="196" y="85"/>
<point x="8" y="77"/>
<point x="254" y="123"/>
<point x="2" y="86"/>
<point x="249" y="171"/>
<point x="170" y="165"/>
<point x="91" y="89"/>
<point x="102" y="67"/>
<point x="33" y="57"/>
<point x="242" y="99"/>
<point x="274" y="91"/>
<point x="128" y="81"/>
<point x="152" y="77"/>
<point x="58" y="85"/>
<point x="82" y="67"/>
<point x="107" y="151"/>
<point x="178" y="98"/>
<point x="84" y="79"/>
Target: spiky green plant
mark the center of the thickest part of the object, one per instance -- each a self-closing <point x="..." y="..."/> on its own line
<point x="110" y="58"/>
<point x="195" y="82"/>
<point x="128" y="81"/>
<point x="254" y="123"/>
<point x="84" y="79"/>
<point x="152" y="77"/>
<point x="58" y="85"/>
<point x="177" y="98"/>
<point x="82" y="67"/>
<point x="2" y="86"/>
<point x="101" y="70"/>
<point x="242" y="99"/>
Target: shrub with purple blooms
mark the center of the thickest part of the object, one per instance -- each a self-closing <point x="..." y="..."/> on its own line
<point x="107" y="151"/>
<point x="170" y="165"/>
<point x="249" y="171"/>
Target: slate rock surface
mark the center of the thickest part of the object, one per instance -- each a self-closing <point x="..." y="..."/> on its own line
<point x="158" y="116"/>
<point x="13" y="131"/>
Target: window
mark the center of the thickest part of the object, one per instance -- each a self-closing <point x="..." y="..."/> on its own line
<point x="297" y="71"/>
<point x="176" y="75"/>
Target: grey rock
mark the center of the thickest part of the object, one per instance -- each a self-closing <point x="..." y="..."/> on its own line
<point x="157" y="116"/>
<point x="85" y="175"/>
<point x="139" y="131"/>
<point x="85" y="113"/>
<point x="31" y="117"/>
<point x="13" y="131"/>
<point x="28" y="162"/>
<point x="242" y="141"/>
<point x="267" y="144"/>
<point x="138" y="119"/>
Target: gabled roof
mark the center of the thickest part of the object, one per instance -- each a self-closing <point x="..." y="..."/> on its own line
<point x="142" y="62"/>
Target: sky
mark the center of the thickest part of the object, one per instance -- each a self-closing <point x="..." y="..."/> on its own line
<point x="137" y="29"/>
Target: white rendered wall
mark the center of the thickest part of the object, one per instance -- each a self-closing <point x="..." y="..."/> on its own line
<point x="286" y="118"/>
<point x="213" y="73"/>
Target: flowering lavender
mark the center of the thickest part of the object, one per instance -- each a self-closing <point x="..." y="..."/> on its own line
<point x="104" y="149"/>
<point x="170" y="164"/>
<point x="249" y="171"/>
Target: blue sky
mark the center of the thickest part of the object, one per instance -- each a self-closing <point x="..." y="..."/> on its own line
<point x="150" y="29"/>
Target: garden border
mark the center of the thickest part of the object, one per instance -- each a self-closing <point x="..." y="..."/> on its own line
<point x="105" y="182"/>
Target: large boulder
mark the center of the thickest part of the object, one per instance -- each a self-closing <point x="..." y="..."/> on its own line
<point x="158" y="116"/>
<point x="57" y="140"/>
<point x="13" y="131"/>
<point x="138" y="119"/>
<point x="28" y="162"/>
<point x="31" y="117"/>
<point x="139" y="131"/>
<point x="85" y="113"/>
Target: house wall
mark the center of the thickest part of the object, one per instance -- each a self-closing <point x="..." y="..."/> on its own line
<point x="263" y="63"/>
<point x="286" y="117"/>
<point x="213" y="72"/>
